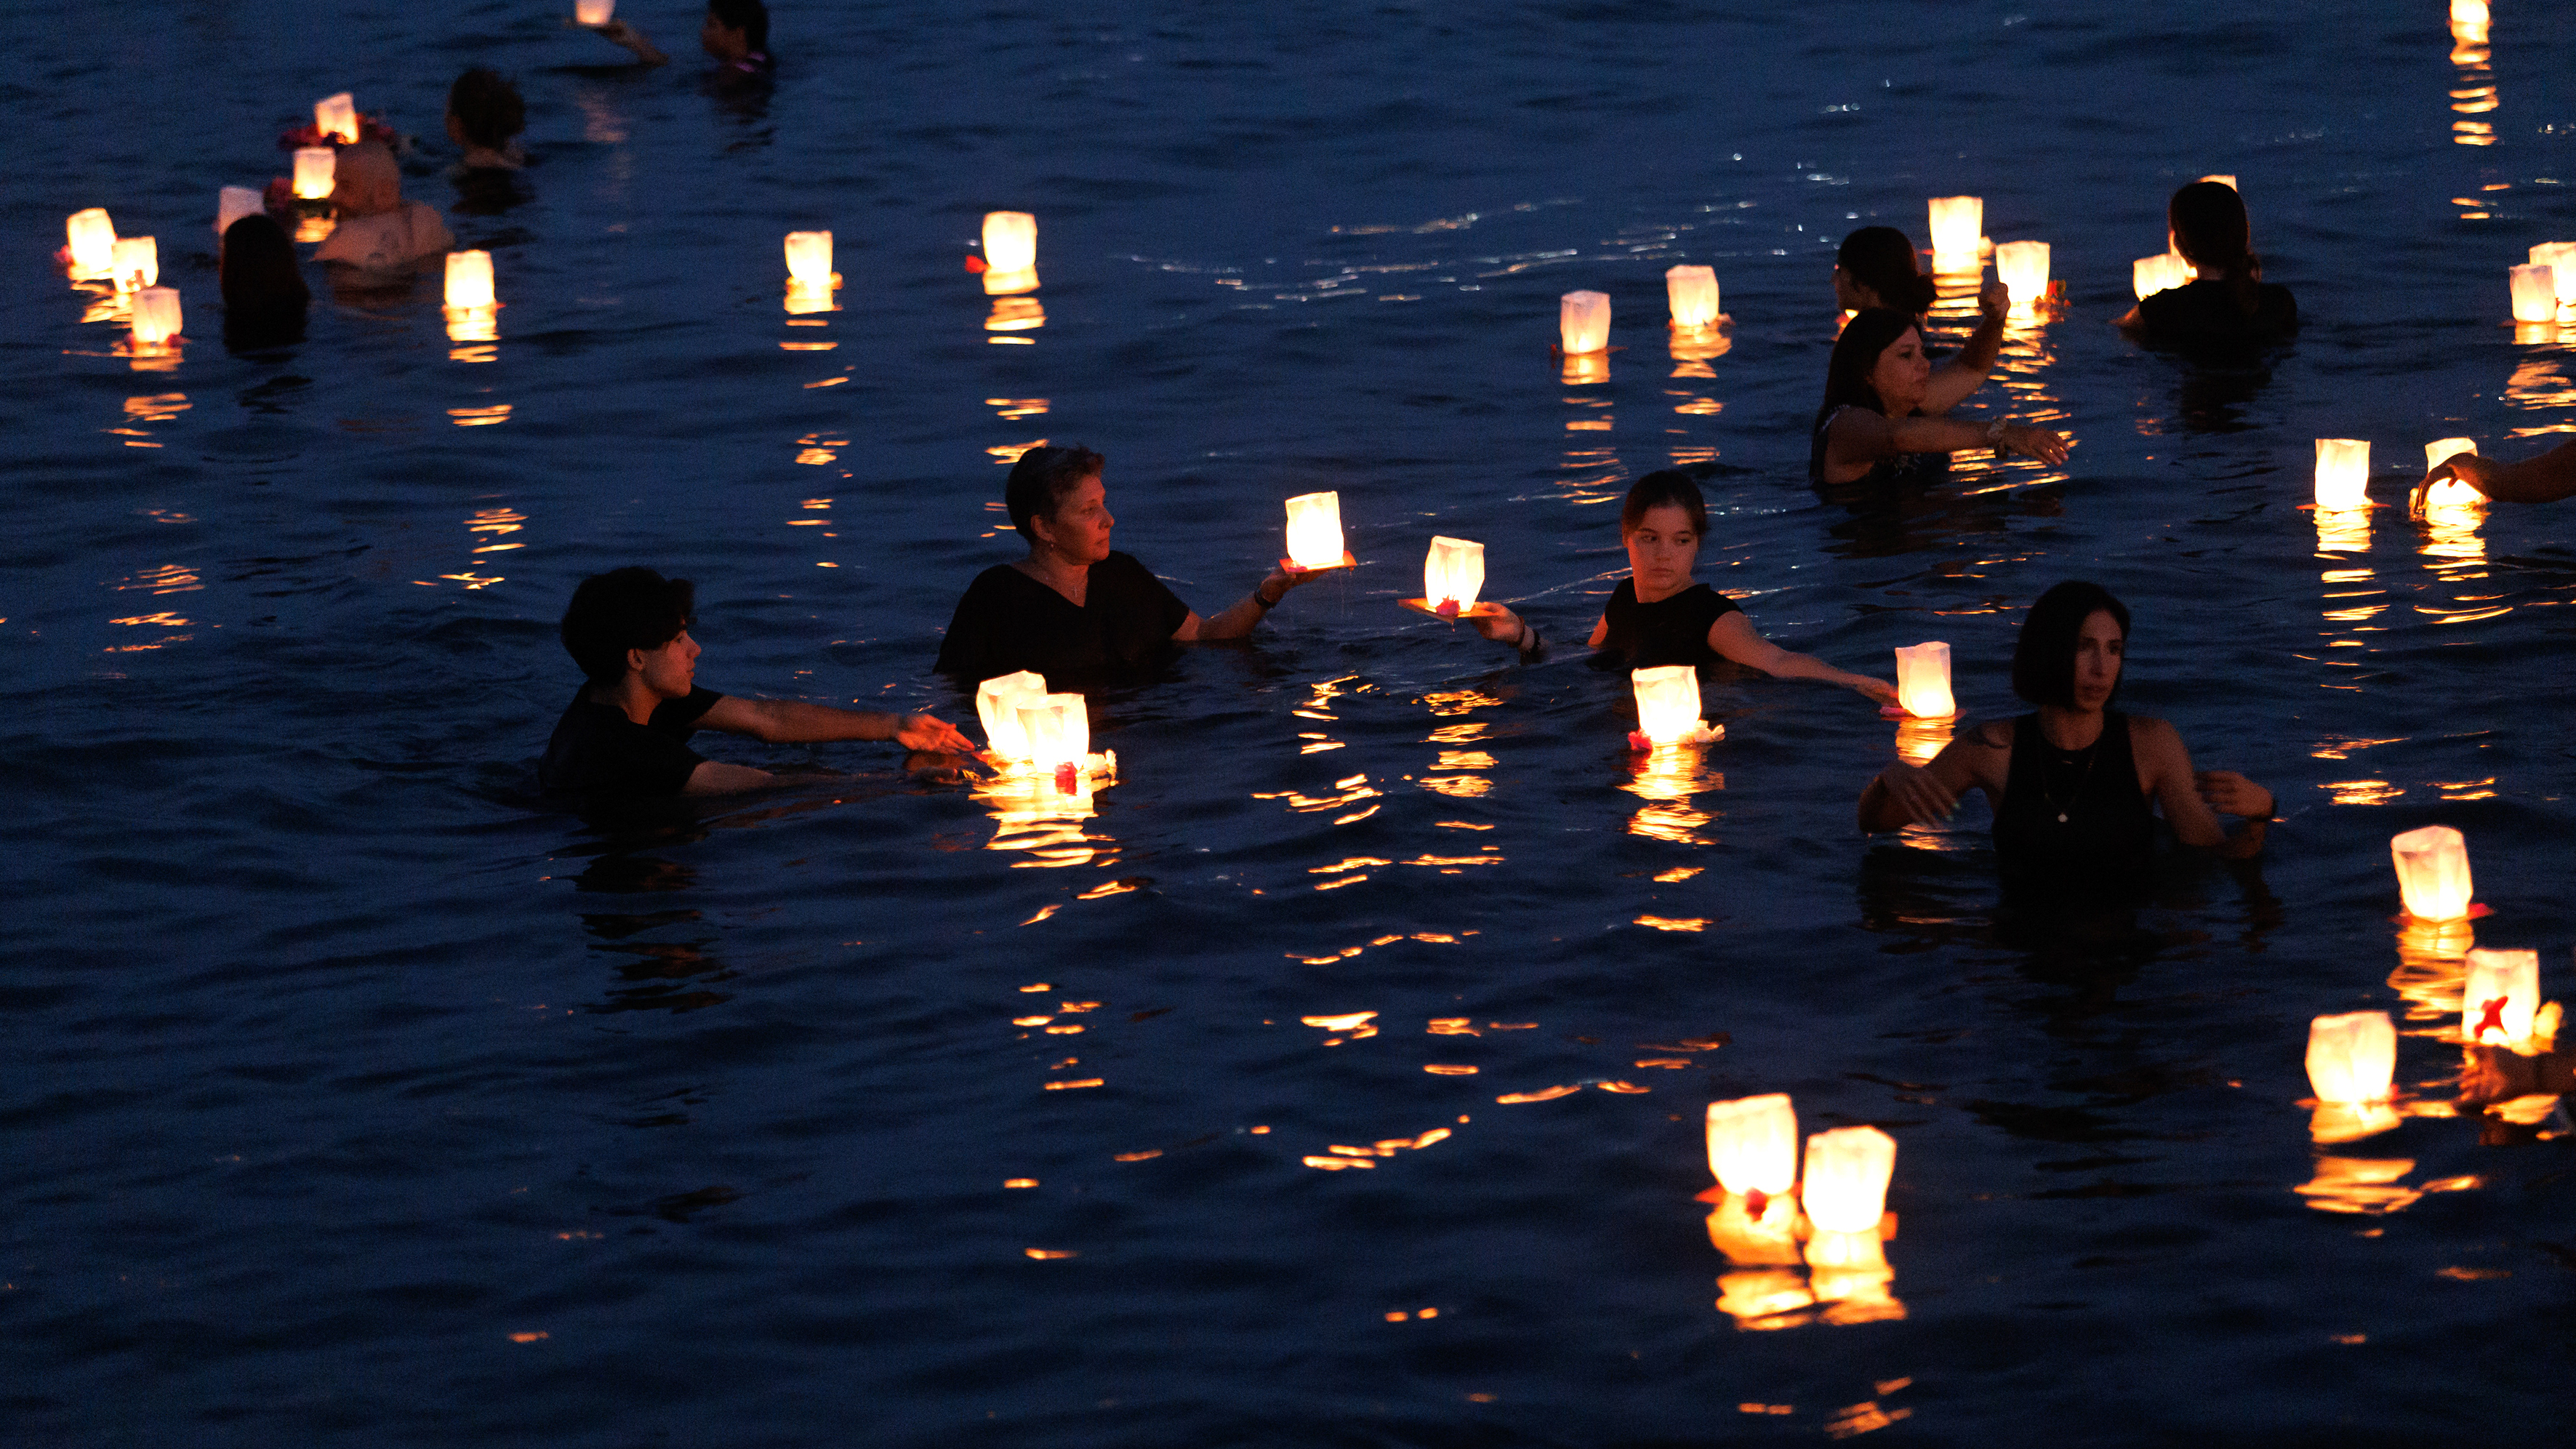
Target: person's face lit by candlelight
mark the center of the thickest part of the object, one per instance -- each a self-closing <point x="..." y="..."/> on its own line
<point x="1663" y="549"/>
<point x="2099" y="648"/>
<point x="1077" y="532"/>
<point x="1902" y="376"/>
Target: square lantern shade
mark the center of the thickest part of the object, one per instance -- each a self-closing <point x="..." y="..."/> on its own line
<point x="2560" y="259"/>
<point x="2352" y="1058"/>
<point x="2432" y="872"/>
<point x="1844" y="1189"/>
<point x="1667" y="702"/>
<point x="1753" y="1144"/>
<point x="2468" y="12"/>
<point x="1923" y="681"/>
<point x="2022" y="267"/>
<point x="1315" y="530"/>
<point x="235" y="202"/>
<point x="469" y="279"/>
<point x="1058" y="730"/>
<point x="2501" y="997"/>
<point x="314" y="168"/>
<point x="137" y="263"/>
<point x="2159" y="273"/>
<point x="337" y="116"/>
<point x="2535" y="294"/>
<point x="2343" y="473"/>
<point x="809" y="260"/>
<point x="1692" y="292"/>
<point x="594" y="12"/>
<point x="92" y="240"/>
<point x="997" y="704"/>
<point x="1452" y="573"/>
<point x="1583" y="323"/>
<point x="155" y="315"/>
<point x="2438" y="453"/>
<point x="1958" y="224"/>
<point x="1010" y="241"/>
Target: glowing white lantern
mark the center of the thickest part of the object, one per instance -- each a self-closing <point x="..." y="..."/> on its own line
<point x="155" y="316"/>
<point x="2560" y="259"/>
<point x="1667" y="702"/>
<point x="1452" y="573"/>
<point x="337" y="116"/>
<point x="469" y="279"/>
<point x="2159" y="273"/>
<point x="1583" y="322"/>
<point x="235" y="202"/>
<point x="1010" y="241"/>
<point x="2022" y="267"/>
<point x="1923" y="681"/>
<point x="2535" y="294"/>
<point x="314" y="166"/>
<point x="809" y="261"/>
<point x="2436" y="454"/>
<point x="1958" y="224"/>
<point x="2450" y="493"/>
<point x="2343" y="473"/>
<point x="2502" y="995"/>
<point x="2432" y="872"/>
<point x="1057" y="728"/>
<point x="593" y="12"/>
<point x="2352" y="1058"/>
<point x="1315" y="530"/>
<point x="997" y="704"/>
<point x="136" y="264"/>
<point x="2468" y="12"/>
<point x="1844" y="1188"/>
<point x="1692" y="293"/>
<point x="92" y="239"/>
<point x="1753" y="1144"/>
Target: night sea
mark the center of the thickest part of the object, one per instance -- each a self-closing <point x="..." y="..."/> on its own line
<point x="1337" y="1075"/>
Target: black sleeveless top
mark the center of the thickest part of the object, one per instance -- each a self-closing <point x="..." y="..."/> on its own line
<point x="2074" y="821"/>
<point x="1671" y="630"/>
<point x="1896" y="468"/>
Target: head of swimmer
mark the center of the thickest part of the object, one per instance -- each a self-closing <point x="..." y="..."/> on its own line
<point x="1879" y="364"/>
<point x="632" y="623"/>
<point x="1662" y="521"/>
<point x="735" y="29"/>
<point x="1876" y="268"/>
<point x="1057" y="503"/>
<point x="2072" y="645"/>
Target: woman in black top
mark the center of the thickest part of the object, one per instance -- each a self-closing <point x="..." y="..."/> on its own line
<point x="1660" y="615"/>
<point x="2231" y="302"/>
<point x="2073" y="784"/>
<point x="1882" y="418"/>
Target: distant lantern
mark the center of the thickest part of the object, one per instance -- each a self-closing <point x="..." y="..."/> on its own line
<point x="1315" y="531"/>
<point x="1058" y="731"/>
<point x="1667" y="703"/>
<point x="1753" y="1144"/>
<point x="2159" y="273"/>
<point x="314" y="166"/>
<point x="2501" y="997"/>
<point x="2535" y="294"/>
<point x="469" y="279"/>
<point x="1844" y="1188"/>
<point x="1923" y="681"/>
<point x="137" y="263"/>
<point x="2432" y="872"/>
<point x="235" y="202"/>
<point x="809" y="261"/>
<point x="2343" y="473"/>
<point x="337" y="116"/>
<point x="1452" y="573"/>
<point x="1583" y="323"/>
<point x="92" y="239"/>
<point x="2227" y="181"/>
<point x="2352" y="1058"/>
<point x="593" y="12"/>
<point x="2560" y="259"/>
<point x="1958" y="224"/>
<point x="998" y="702"/>
<point x="1010" y="241"/>
<point x="1692" y="293"/>
<point x="2468" y="12"/>
<point x="2022" y="267"/>
<point x="155" y="314"/>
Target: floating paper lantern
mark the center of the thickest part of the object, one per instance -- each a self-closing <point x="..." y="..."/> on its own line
<point x="809" y="261"/>
<point x="1315" y="530"/>
<point x="998" y="702"/>
<point x="1452" y="573"/>
<point x="314" y="167"/>
<point x="2436" y="454"/>
<point x="2022" y="267"/>
<point x="2352" y="1058"/>
<point x="1958" y="224"/>
<point x="593" y="12"/>
<point x="469" y="279"/>
<point x="2432" y="872"/>
<point x="2501" y="997"/>
<point x="136" y="264"/>
<point x="1010" y="241"/>
<point x="1923" y="681"/>
<point x="2535" y="294"/>
<point x="2450" y="493"/>
<point x="92" y="239"/>
<point x="1692" y="294"/>
<point x="337" y="116"/>
<point x="2159" y="273"/>
<point x="2468" y="12"/>
<point x="2343" y="473"/>
<point x="2560" y="259"/>
<point x="1057" y="728"/>
<point x="235" y="202"/>
<point x="1667" y="702"/>
<point x="1583" y="323"/>
<point x="155" y="316"/>
<point x="1844" y="1188"/>
<point x="1753" y="1144"/>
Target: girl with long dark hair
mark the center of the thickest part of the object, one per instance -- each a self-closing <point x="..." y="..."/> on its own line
<point x="2231" y="301"/>
<point x="1882" y="421"/>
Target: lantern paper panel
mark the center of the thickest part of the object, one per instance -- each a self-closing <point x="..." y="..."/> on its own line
<point x="91" y="238"/>
<point x="2438" y="453"/>
<point x="1923" y="681"/>
<point x="2468" y="12"/>
<point x="1583" y="322"/>
<point x="593" y="12"/>
<point x="2022" y="267"/>
<point x="1315" y="530"/>
<point x="314" y="169"/>
<point x="235" y="202"/>
<point x="2159" y="273"/>
<point x="809" y="260"/>
<point x="1452" y="573"/>
<point x="1753" y="1144"/>
<point x="137" y="263"/>
<point x="2535" y="294"/>
<point x="2560" y="259"/>
<point x="997" y="704"/>
<point x="1667" y="703"/>
<point x="469" y="279"/>
<point x="2343" y="473"/>
<point x="1057" y="728"/>
<point x="1692" y="294"/>
<point x="2501" y="997"/>
<point x="155" y="316"/>
<point x="1958" y="224"/>
<point x="1844" y="1189"/>
<point x="1010" y="241"/>
<point x="2352" y="1058"/>
<point x="337" y="116"/>
<point x="2432" y="872"/>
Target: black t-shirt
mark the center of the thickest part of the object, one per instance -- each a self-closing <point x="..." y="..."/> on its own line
<point x="2203" y="311"/>
<point x="597" y="751"/>
<point x="1008" y="622"/>
<point x="1671" y="630"/>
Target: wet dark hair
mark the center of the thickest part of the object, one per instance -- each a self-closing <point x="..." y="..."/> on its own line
<point x="487" y="108"/>
<point x="1040" y="480"/>
<point x="1664" y="488"/>
<point x="628" y="608"/>
<point x="1881" y="258"/>
<point x="264" y="292"/>
<point x="751" y="17"/>
<point x="1866" y="337"/>
<point x="2043" y="667"/>
<point x="2212" y="233"/>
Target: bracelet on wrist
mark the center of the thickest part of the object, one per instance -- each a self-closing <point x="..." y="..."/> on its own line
<point x="1995" y="429"/>
<point x="1267" y="603"/>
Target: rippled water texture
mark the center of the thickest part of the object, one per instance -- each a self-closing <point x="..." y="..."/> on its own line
<point x="357" y="1097"/>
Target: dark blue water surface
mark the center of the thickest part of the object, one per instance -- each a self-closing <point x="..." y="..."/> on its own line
<point x="356" y="1096"/>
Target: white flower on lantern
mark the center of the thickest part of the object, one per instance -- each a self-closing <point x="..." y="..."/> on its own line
<point x="337" y="116"/>
<point x="2022" y="266"/>
<point x="1453" y="572"/>
<point x="1923" y="681"/>
<point x="2343" y="473"/>
<point x="997" y="704"/>
<point x="1844" y="1188"/>
<point x="1583" y="323"/>
<point x="1753" y="1144"/>
<point x="92" y="241"/>
<point x="1958" y="225"/>
<point x="315" y="167"/>
<point x="1691" y="292"/>
<point x="2352" y="1058"/>
<point x="155" y="316"/>
<point x="2432" y="872"/>
<point x="2501" y="997"/>
<point x="1315" y="530"/>
<point x="1668" y="705"/>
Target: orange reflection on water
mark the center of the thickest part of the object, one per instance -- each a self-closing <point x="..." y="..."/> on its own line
<point x="1014" y="314"/>
<point x="2360" y="1185"/>
<point x="2343" y="530"/>
<point x="1034" y="817"/>
<point x="2475" y="93"/>
<point x="2431" y="972"/>
<point x="1918" y="740"/>
<point x="1666" y="777"/>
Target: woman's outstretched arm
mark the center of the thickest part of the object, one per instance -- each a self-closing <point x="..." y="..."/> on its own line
<point x="2192" y="801"/>
<point x="1964" y="373"/>
<point x="1733" y="635"/>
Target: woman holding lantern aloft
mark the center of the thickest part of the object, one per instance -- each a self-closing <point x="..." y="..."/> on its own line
<point x="1876" y="268"/>
<point x="1881" y="421"/>
<point x="2074" y="785"/>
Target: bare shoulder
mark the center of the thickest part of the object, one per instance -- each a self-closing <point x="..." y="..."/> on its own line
<point x="2155" y="739"/>
<point x="1993" y="734"/>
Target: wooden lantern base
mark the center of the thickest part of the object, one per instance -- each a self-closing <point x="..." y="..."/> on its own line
<point x="1483" y="609"/>
<point x="1291" y="566"/>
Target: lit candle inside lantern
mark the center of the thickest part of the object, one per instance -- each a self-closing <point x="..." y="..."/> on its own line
<point x="1958" y="224"/>
<point x="1844" y="1189"/>
<point x="137" y="263"/>
<point x="1692" y="293"/>
<point x="1667" y="702"/>
<point x="1753" y="1144"/>
<point x="1057" y="728"/>
<point x="469" y="279"/>
<point x="1315" y="530"/>
<point x="1923" y="681"/>
<point x="92" y="238"/>
<point x="2501" y="997"/>
<point x="2343" y="473"/>
<point x="2352" y="1058"/>
<point x="1452" y="573"/>
<point x="1583" y="322"/>
<point x="2022" y="267"/>
<point x="2535" y="294"/>
<point x="155" y="316"/>
<point x="337" y="116"/>
<point x="314" y="166"/>
<point x="809" y="261"/>
<point x="998" y="702"/>
<point x="2159" y="273"/>
<point x="2432" y="872"/>
<point x="593" y="12"/>
<point x="235" y="202"/>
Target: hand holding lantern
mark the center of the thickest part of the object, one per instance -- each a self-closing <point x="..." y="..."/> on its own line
<point x="1315" y="533"/>
<point x="1958" y="225"/>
